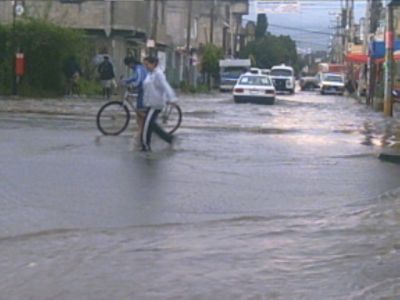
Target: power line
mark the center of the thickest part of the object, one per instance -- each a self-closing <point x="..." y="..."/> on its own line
<point x="296" y="28"/>
<point x="300" y="29"/>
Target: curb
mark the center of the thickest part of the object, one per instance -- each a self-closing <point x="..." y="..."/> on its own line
<point x="390" y="155"/>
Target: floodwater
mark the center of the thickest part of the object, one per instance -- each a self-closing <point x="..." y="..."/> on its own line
<point x="253" y="202"/>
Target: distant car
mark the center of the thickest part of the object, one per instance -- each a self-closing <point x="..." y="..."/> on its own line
<point x="254" y="88"/>
<point x="309" y="82"/>
<point x="266" y="71"/>
<point x="332" y="83"/>
<point x="255" y="71"/>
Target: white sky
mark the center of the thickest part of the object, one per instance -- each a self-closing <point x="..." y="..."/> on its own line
<point x="313" y="16"/>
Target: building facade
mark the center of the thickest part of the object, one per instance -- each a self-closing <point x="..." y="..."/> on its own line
<point x="142" y="27"/>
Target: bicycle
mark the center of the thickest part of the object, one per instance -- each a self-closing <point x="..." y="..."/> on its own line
<point x="114" y="116"/>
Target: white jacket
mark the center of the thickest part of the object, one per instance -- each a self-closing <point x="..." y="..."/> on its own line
<point x="157" y="90"/>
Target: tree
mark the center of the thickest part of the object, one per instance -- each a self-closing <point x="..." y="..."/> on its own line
<point x="210" y="62"/>
<point x="262" y="26"/>
<point x="45" y="47"/>
<point x="271" y="50"/>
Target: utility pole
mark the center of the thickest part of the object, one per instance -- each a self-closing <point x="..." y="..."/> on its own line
<point x="389" y="43"/>
<point x="212" y="17"/>
<point x="14" y="52"/>
<point x="374" y="9"/>
<point x="154" y="29"/>
<point x="188" y="39"/>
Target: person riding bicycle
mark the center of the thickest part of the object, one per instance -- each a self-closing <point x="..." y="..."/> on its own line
<point x="136" y="80"/>
<point x="157" y="92"/>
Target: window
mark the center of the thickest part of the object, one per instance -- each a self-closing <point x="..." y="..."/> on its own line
<point x="255" y="80"/>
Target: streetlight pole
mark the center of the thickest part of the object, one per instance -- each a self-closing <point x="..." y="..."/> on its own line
<point x="14" y="79"/>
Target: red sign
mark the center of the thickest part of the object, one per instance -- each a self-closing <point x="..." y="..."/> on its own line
<point x="19" y="64"/>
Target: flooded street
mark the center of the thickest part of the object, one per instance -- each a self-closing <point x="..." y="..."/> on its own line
<point x="252" y="202"/>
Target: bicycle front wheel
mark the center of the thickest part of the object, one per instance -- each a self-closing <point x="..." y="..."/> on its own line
<point x="170" y="117"/>
<point x="113" y="118"/>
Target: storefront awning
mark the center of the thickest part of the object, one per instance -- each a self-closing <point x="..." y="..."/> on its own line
<point x="357" y="58"/>
<point x="363" y="58"/>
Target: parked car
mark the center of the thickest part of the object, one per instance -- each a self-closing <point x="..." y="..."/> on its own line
<point x="266" y="71"/>
<point x="254" y="88"/>
<point x="283" y="78"/>
<point x="332" y="83"/>
<point x="255" y="71"/>
<point x="310" y="82"/>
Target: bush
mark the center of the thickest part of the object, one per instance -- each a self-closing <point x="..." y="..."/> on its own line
<point x="210" y="60"/>
<point x="45" y="46"/>
<point x="90" y="87"/>
<point x="186" y="88"/>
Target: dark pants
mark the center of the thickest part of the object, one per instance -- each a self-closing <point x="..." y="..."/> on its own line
<point x="150" y="125"/>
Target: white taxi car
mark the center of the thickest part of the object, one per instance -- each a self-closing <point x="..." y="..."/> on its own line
<point x="332" y="83"/>
<point x="254" y="88"/>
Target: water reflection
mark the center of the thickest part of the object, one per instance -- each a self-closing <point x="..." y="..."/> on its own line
<point x="350" y="252"/>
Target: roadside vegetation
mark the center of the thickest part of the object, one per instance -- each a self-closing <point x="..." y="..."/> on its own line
<point x="46" y="47"/>
<point x="268" y="50"/>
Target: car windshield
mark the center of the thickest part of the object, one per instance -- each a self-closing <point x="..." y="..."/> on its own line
<point x="281" y="72"/>
<point x="254" y="80"/>
<point x="331" y="78"/>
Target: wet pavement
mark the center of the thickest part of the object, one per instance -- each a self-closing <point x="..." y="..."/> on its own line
<point x="288" y="201"/>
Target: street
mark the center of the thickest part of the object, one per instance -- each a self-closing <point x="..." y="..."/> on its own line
<point x="287" y="201"/>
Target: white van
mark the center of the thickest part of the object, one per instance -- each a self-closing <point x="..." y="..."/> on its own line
<point x="283" y="78"/>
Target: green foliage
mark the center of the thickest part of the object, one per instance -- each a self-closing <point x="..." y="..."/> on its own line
<point x="271" y="50"/>
<point x="186" y="88"/>
<point x="268" y="50"/>
<point x="262" y="26"/>
<point x="45" y="47"/>
<point x="90" y="87"/>
<point x="6" y="60"/>
<point x="210" y="60"/>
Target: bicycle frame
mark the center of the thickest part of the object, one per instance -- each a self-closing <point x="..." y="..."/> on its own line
<point x="130" y="95"/>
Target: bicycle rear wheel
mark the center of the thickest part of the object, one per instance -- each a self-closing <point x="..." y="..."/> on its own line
<point x="113" y="118"/>
<point x="170" y="118"/>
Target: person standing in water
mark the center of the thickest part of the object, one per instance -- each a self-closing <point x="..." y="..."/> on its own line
<point x="157" y="92"/>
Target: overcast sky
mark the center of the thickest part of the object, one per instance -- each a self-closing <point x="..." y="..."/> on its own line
<point x="312" y="16"/>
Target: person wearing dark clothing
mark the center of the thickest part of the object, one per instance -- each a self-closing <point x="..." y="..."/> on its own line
<point x="72" y="73"/>
<point x="106" y="71"/>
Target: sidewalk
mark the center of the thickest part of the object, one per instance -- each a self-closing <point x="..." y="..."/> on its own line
<point x="53" y="106"/>
<point x="389" y="154"/>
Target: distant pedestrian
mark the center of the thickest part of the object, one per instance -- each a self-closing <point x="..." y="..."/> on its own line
<point x="107" y="76"/>
<point x="72" y="73"/>
<point x="157" y="93"/>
